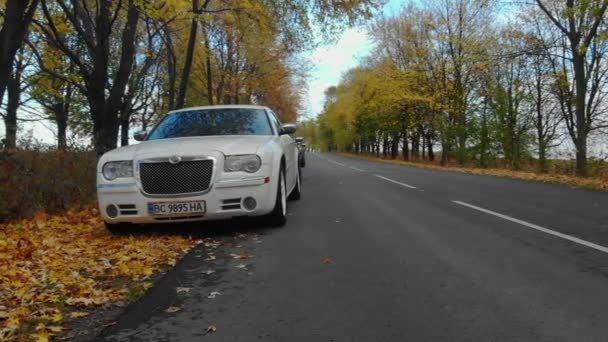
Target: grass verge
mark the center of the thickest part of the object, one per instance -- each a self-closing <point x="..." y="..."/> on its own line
<point x="592" y="183"/>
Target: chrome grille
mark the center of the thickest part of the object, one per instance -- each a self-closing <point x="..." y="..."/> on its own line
<point x="172" y="179"/>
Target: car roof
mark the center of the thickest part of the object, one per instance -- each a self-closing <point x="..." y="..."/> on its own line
<point x="219" y="107"/>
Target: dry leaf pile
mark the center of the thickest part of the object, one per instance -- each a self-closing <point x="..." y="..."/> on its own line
<point x="56" y="268"/>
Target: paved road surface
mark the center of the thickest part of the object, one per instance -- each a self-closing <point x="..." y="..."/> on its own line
<point x="380" y="252"/>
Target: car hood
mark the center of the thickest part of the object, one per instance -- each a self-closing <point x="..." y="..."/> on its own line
<point x="194" y="146"/>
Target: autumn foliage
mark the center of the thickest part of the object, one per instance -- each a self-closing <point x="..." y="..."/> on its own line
<point x="54" y="269"/>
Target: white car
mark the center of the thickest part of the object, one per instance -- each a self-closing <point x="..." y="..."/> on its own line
<point x="203" y="163"/>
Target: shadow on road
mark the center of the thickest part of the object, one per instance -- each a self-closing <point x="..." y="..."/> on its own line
<point x="205" y="229"/>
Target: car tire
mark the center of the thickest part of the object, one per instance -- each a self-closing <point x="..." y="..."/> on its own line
<point x="278" y="215"/>
<point x="296" y="193"/>
<point x="120" y="228"/>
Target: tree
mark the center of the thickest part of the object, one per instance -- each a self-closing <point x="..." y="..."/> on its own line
<point x="108" y="33"/>
<point x="462" y="34"/>
<point x="583" y="67"/>
<point x="508" y="96"/>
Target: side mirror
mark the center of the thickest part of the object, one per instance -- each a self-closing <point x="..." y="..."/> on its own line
<point x="299" y="139"/>
<point x="140" y="135"/>
<point x="288" y="129"/>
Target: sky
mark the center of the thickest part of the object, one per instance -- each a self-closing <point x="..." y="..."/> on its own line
<point x="329" y="62"/>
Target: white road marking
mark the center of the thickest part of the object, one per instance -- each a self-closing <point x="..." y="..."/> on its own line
<point x="356" y="169"/>
<point x="536" y="227"/>
<point x="394" y="181"/>
<point x="335" y="162"/>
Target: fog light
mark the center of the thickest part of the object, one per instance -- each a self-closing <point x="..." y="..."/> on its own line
<point x="112" y="211"/>
<point x="249" y="203"/>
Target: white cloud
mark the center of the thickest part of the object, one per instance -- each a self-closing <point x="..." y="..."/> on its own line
<point x="330" y="62"/>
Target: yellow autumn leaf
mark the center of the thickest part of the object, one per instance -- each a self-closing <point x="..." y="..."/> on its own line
<point x="57" y="317"/>
<point x="55" y="329"/>
<point x="42" y="336"/>
<point x="78" y="314"/>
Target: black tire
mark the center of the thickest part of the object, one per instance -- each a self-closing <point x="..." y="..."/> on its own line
<point x="278" y="215"/>
<point x="120" y="228"/>
<point x="296" y="193"/>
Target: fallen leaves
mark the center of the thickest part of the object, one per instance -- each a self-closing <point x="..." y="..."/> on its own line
<point x="211" y="329"/>
<point x="53" y="267"/>
<point x="213" y="294"/>
<point x="242" y="255"/>
<point x="180" y="290"/>
<point x="173" y="309"/>
<point x="78" y="314"/>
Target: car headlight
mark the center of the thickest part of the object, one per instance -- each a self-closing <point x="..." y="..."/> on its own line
<point x="117" y="169"/>
<point x="249" y="163"/>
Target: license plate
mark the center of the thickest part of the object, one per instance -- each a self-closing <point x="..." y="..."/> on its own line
<point x="176" y="208"/>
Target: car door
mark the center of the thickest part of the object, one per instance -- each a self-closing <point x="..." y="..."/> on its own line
<point x="288" y="144"/>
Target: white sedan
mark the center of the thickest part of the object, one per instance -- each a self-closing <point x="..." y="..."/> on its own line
<point x="203" y="163"/>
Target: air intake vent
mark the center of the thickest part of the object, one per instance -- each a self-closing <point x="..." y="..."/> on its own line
<point x="231" y="204"/>
<point x="127" y="209"/>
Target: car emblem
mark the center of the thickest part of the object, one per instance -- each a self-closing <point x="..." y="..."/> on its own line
<point x="175" y="159"/>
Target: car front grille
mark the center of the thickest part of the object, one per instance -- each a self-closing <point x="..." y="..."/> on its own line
<point x="173" y="179"/>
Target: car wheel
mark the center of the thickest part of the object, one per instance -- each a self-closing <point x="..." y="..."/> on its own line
<point x="296" y="193"/>
<point x="278" y="216"/>
<point x="120" y="228"/>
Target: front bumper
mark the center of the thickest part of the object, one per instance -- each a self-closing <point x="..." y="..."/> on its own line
<point x="223" y="201"/>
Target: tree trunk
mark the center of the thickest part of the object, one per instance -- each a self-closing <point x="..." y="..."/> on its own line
<point x="406" y="148"/>
<point x="385" y="145"/>
<point x="208" y="71"/>
<point x="17" y="17"/>
<point x="429" y="144"/>
<point x="62" y="127"/>
<point x="462" y="144"/>
<point x="395" y="146"/>
<point x="124" y="132"/>
<point x="542" y="157"/>
<point x="581" y="120"/>
<point x="14" y="99"/>
<point x="171" y="67"/>
<point x="423" y="147"/>
<point x="446" y="148"/>
<point x="61" y="119"/>
<point x="183" y="86"/>
<point x="415" y="145"/>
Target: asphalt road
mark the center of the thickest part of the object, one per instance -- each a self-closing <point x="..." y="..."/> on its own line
<point x="380" y="252"/>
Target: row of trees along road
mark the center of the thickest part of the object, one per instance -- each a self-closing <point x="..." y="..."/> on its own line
<point x="484" y="80"/>
<point x="97" y="67"/>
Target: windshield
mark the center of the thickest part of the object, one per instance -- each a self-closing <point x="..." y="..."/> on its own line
<point x="205" y="122"/>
